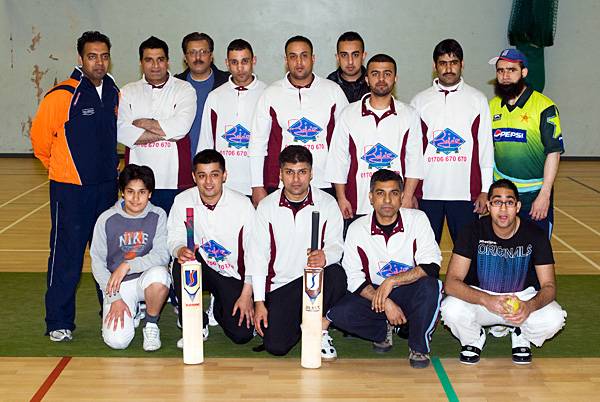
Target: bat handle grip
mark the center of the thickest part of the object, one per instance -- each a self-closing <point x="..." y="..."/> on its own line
<point x="314" y="238"/>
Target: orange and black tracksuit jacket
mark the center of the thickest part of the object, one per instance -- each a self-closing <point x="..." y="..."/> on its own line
<point x="74" y="133"/>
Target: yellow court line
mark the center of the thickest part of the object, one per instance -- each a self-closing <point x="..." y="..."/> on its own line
<point x="577" y="220"/>
<point x="573" y="249"/>
<point x="24" y="217"/>
<point x="23" y="194"/>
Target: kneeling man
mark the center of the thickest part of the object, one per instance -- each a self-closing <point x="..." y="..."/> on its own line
<point x="392" y="262"/>
<point x="129" y="260"/>
<point x="501" y="275"/>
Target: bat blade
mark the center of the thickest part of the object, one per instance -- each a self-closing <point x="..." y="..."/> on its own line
<point x="191" y="301"/>
<point x="312" y="307"/>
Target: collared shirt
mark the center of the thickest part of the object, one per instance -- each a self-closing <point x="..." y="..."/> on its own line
<point x="458" y="149"/>
<point x="371" y="255"/>
<point x="174" y="107"/>
<point x="364" y="142"/>
<point x="282" y="234"/>
<point x="288" y="115"/>
<point x="223" y="232"/>
<point x="226" y="125"/>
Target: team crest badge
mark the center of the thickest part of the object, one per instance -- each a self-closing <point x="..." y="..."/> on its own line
<point x="304" y="130"/>
<point x="447" y="141"/>
<point x="192" y="283"/>
<point x="379" y="157"/>
<point x="215" y="250"/>
<point x="237" y="136"/>
<point x="393" y="268"/>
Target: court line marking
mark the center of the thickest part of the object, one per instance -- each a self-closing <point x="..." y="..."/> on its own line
<point x="564" y="243"/>
<point x="577" y="220"/>
<point x="23" y="194"/>
<point x="52" y="377"/>
<point x="583" y="184"/>
<point x="24" y="217"/>
<point x="444" y="380"/>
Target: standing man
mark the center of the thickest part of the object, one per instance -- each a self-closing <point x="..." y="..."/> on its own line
<point x="202" y="74"/>
<point x="302" y="109"/>
<point x="392" y="262"/>
<point x="279" y="253"/>
<point x="222" y="230"/>
<point x="155" y="116"/>
<point x="457" y="145"/>
<point x="376" y="132"/>
<point x="227" y="116"/>
<point x="351" y="73"/>
<point x="497" y="260"/>
<point x="527" y="138"/>
<point x="74" y="135"/>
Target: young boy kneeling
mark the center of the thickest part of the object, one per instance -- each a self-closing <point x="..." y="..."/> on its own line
<point x="129" y="260"/>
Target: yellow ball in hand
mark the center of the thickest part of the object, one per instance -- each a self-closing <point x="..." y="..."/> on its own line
<point x="512" y="305"/>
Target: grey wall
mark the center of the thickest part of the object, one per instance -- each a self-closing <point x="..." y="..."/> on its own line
<point x="38" y="45"/>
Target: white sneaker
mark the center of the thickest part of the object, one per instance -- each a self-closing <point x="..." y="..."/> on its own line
<point x="211" y="312"/>
<point x="471" y="354"/>
<point x="151" y="337"/>
<point x="204" y="335"/>
<point x="499" y="331"/>
<point x="61" y="335"/>
<point x="328" y="352"/>
<point x="139" y="315"/>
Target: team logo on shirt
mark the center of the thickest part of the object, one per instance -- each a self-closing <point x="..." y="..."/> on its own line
<point x="393" y="268"/>
<point x="237" y="136"/>
<point x="509" y="135"/>
<point x="447" y="141"/>
<point x="304" y="130"/>
<point x="497" y="117"/>
<point x="379" y="157"/>
<point x="215" y="250"/>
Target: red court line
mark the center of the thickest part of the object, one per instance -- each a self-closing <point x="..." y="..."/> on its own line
<point x="45" y="387"/>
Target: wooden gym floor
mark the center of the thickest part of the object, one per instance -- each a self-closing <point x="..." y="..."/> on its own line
<point x="24" y="229"/>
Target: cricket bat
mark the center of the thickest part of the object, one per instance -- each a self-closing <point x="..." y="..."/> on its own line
<point x="312" y="306"/>
<point x="191" y="301"/>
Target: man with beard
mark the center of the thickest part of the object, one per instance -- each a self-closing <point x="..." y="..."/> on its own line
<point x="74" y="135"/>
<point x="202" y="74"/>
<point x="527" y="138"/>
<point x="228" y="113"/>
<point x="376" y="132"/>
<point x="300" y="109"/>
<point x="155" y="116"/>
<point x="350" y="75"/>
<point x="457" y="145"/>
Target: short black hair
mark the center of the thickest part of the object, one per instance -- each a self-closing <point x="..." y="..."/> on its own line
<point x="295" y="154"/>
<point x="382" y="58"/>
<point x="298" y="38"/>
<point x="385" y="175"/>
<point x="194" y="36"/>
<point x="207" y="156"/>
<point x="448" y="46"/>
<point x="350" y="36"/>
<point x="154" y="43"/>
<point x="240" y="44"/>
<point x="503" y="183"/>
<point x="91" y="36"/>
<point x="136" y="172"/>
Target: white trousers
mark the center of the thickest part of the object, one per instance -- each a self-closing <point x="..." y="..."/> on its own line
<point x="132" y="292"/>
<point x="465" y="320"/>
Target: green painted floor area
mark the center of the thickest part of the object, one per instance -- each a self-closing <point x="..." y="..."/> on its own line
<point x="22" y="320"/>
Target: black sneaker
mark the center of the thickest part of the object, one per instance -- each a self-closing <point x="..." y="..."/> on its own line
<point x="471" y="354"/>
<point x="521" y="348"/>
<point x="387" y="344"/>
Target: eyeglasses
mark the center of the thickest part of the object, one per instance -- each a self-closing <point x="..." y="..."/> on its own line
<point x="201" y="52"/>
<point x="508" y="204"/>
